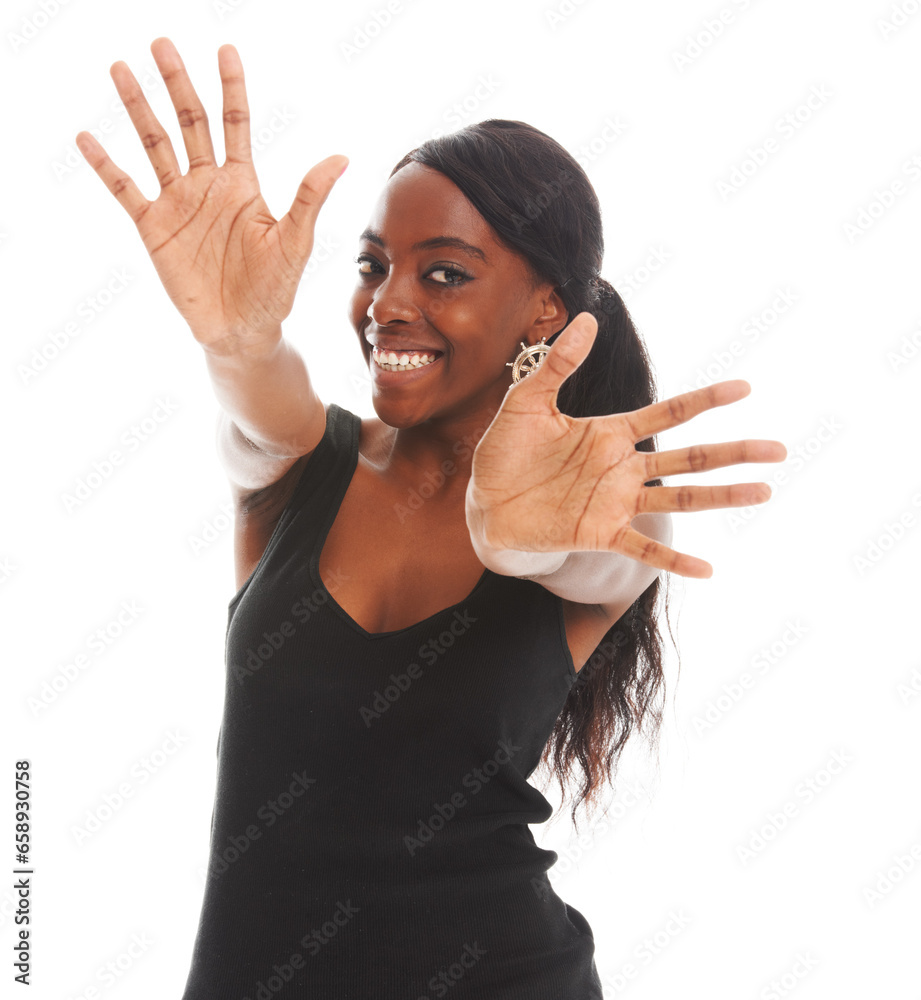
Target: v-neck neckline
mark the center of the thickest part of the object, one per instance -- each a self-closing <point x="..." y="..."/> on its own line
<point x="326" y="528"/>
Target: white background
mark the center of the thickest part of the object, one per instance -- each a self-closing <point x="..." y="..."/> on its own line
<point x="845" y="682"/>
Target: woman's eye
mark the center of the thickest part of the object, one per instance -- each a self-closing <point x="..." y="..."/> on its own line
<point x="364" y="260"/>
<point x="455" y="277"/>
<point x="451" y="275"/>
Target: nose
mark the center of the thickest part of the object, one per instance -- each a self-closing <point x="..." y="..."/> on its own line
<point x="389" y="304"/>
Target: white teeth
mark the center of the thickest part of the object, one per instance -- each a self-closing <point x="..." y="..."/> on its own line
<point x="391" y="361"/>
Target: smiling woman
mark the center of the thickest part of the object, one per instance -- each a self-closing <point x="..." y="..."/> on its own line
<point x="397" y="671"/>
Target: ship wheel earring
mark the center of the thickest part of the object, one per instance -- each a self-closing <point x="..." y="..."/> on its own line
<point x="529" y="360"/>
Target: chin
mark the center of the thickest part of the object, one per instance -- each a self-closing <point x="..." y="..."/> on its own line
<point x="398" y="414"/>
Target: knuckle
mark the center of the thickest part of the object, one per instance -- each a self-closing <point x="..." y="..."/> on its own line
<point x="189" y="117"/>
<point x="171" y="73"/>
<point x="697" y="458"/>
<point x="141" y="212"/>
<point x="236" y="117"/>
<point x="151" y="139"/>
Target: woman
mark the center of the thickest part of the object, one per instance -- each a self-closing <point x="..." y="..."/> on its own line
<point x="420" y="595"/>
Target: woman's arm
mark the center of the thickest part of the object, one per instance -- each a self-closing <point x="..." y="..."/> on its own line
<point x="270" y="413"/>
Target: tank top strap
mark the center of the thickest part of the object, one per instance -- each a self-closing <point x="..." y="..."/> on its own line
<point x="330" y="463"/>
<point x="322" y="479"/>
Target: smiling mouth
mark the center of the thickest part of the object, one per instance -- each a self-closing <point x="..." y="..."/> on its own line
<point x="405" y="360"/>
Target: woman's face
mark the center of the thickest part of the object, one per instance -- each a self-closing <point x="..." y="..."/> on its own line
<point x="471" y="304"/>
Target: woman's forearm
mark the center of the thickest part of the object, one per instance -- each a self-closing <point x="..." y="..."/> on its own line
<point x="269" y="397"/>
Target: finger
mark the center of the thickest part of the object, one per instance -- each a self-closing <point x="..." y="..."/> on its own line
<point x="237" y="142"/>
<point x="568" y="351"/>
<point x="115" y="179"/>
<point x="647" y="550"/>
<point x="296" y="228"/>
<point x="709" y="456"/>
<point x="649" y="420"/>
<point x="189" y="109"/>
<point x="153" y="135"/>
<point x="659" y="499"/>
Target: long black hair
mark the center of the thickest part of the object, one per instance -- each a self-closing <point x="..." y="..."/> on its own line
<point x="542" y="206"/>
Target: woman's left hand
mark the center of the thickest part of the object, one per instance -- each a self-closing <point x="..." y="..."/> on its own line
<point x="542" y="481"/>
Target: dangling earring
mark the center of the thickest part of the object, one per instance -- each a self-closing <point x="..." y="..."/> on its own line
<point x="529" y="360"/>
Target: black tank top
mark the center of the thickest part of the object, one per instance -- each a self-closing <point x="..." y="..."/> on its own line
<point x="369" y="839"/>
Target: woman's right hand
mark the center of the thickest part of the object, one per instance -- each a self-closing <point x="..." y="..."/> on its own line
<point x="228" y="265"/>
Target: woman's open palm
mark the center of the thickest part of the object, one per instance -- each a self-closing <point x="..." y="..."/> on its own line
<point x="542" y="481"/>
<point x="228" y="265"/>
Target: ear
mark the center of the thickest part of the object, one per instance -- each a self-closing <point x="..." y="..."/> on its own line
<point x="553" y="316"/>
<point x="567" y="352"/>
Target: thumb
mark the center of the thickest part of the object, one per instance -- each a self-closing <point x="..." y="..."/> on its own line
<point x="567" y="352"/>
<point x="296" y="228"/>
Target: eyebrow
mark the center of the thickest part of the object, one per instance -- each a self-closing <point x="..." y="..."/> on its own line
<point x="454" y="242"/>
